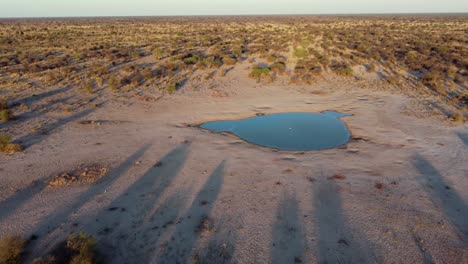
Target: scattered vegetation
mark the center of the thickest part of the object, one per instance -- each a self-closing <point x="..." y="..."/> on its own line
<point x="80" y="248"/>
<point x="91" y="55"/>
<point x="11" y="249"/>
<point x="88" y="174"/>
<point x="260" y="70"/>
<point x="7" y="147"/>
<point x="5" y="113"/>
<point x="171" y="87"/>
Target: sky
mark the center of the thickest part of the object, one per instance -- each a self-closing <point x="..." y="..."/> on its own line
<point x="66" y="8"/>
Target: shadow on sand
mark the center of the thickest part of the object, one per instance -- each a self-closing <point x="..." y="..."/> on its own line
<point x="36" y="137"/>
<point x="113" y="224"/>
<point x="288" y="236"/>
<point x="337" y="243"/>
<point x="37" y="97"/>
<point x="463" y="137"/>
<point x="58" y="217"/>
<point x="196" y="221"/>
<point x="443" y="195"/>
<point x="11" y="204"/>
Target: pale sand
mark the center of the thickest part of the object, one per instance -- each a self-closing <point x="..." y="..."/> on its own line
<point x="264" y="206"/>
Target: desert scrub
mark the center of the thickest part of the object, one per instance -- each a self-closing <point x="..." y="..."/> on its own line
<point x="3" y="104"/>
<point x="259" y="71"/>
<point x="114" y="84"/>
<point x="80" y="248"/>
<point x="7" y="147"/>
<point x="191" y="60"/>
<point x="11" y="249"/>
<point x="279" y="67"/>
<point x="341" y="68"/>
<point x="87" y="85"/>
<point x="229" y="61"/>
<point x="171" y="87"/>
<point x="5" y="115"/>
<point x="457" y="117"/>
<point x="84" y="248"/>
<point x="300" y="53"/>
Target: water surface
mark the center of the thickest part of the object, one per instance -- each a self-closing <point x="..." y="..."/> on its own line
<point x="288" y="131"/>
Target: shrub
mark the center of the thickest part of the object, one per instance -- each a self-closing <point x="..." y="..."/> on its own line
<point x="171" y="88"/>
<point x="147" y="73"/>
<point x="229" y="61"/>
<point x="191" y="60"/>
<point x="341" y="68"/>
<point x="84" y="247"/>
<point x="278" y="67"/>
<point x="300" y="53"/>
<point x="5" y="115"/>
<point x="7" y="147"/>
<point x="114" y="84"/>
<point x="457" y="117"/>
<point x="87" y="85"/>
<point x="11" y="248"/>
<point x="258" y="72"/>
<point x="159" y="53"/>
<point x="431" y="79"/>
<point x="80" y="248"/>
<point x="3" y="104"/>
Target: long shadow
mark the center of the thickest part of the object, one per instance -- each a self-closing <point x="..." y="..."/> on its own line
<point x="40" y="96"/>
<point x="463" y="137"/>
<point x="336" y="241"/>
<point x="145" y="239"/>
<point x="288" y="236"/>
<point x="34" y="113"/>
<point x="127" y="211"/>
<point x="427" y="258"/>
<point x="444" y="195"/>
<point x="38" y="136"/>
<point x="220" y="247"/>
<point x="197" y="221"/>
<point x="11" y="204"/>
<point x="52" y="221"/>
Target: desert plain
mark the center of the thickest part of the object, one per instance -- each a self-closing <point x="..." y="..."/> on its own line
<point x="99" y="129"/>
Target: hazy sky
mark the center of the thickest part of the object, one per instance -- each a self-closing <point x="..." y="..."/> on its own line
<point x="46" y="8"/>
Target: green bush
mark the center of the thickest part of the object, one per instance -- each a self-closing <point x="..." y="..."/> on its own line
<point x="300" y="53"/>
<point x="7" y="147"/>
<point x="5" y="115"/>
<point x="191" y="60"/>
<point x="171" y="88"/>
<point x="84" y="247"/>
<point x="258" y="72"/>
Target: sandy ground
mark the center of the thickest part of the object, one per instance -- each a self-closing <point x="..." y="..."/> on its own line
<point x="178" y="194"/>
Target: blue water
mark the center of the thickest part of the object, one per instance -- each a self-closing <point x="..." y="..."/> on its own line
<point x="288" y="131"/>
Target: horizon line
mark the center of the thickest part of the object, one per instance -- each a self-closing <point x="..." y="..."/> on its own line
<point x="240" y="15"/>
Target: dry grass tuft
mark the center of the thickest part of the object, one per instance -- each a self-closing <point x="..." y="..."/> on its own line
<point x="80" y="248"/>
<point x="89" y="174"/>
<point x="7" y="147"/>
<point x="84" y="247"/>
<point x="11" y="249"/>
